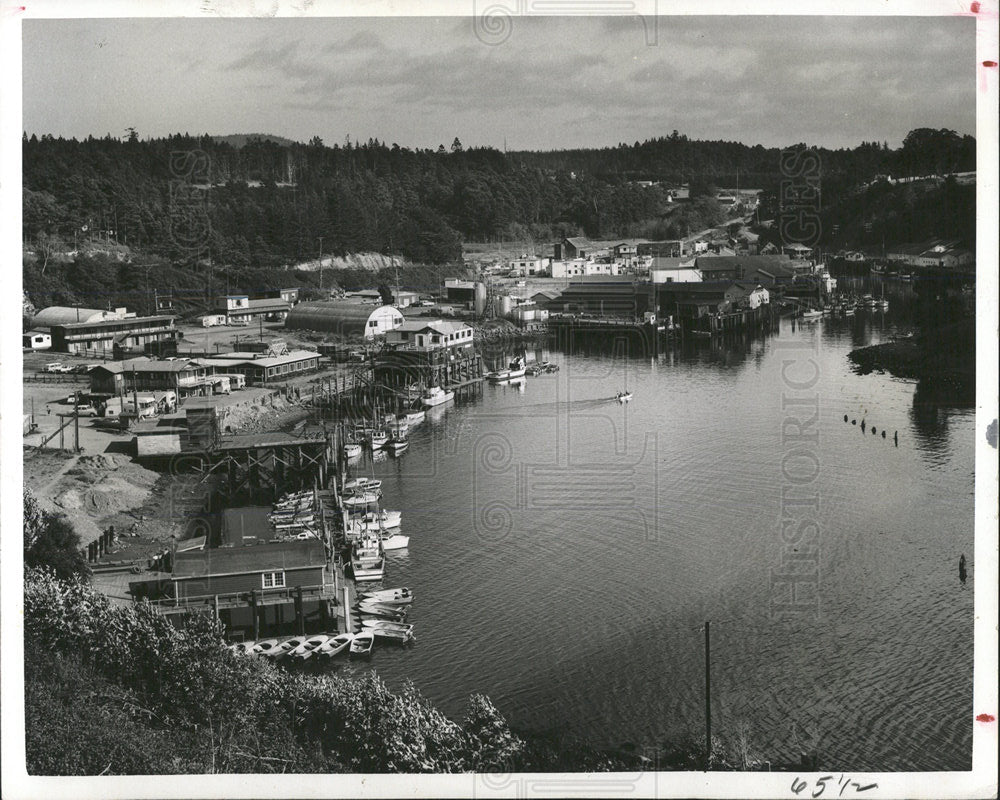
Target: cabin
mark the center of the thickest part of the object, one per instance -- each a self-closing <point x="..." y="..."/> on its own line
<point x="36" y="340"/>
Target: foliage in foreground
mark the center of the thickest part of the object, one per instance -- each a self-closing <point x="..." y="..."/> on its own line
<point x="51" y="541"/>
<point x="118" y="689"/>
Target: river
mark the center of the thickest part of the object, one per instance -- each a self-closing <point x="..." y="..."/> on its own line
<point x="566" y="551"/>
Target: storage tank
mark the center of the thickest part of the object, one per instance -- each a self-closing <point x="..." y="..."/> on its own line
<point x="506" y="304"/>
<point x="479" y="303"/>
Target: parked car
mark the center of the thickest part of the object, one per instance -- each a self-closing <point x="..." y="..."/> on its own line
<point x="86" y="410"/>
<point x="55" y="366"/>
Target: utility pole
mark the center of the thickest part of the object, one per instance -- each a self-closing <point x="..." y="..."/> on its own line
<point x="320" y="263"/>
<point x="708" y="699"/>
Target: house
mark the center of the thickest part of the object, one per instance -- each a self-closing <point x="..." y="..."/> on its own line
<point x="264" y="569"/>
<point x="796" y="250"/>
<point x="674" y="270"/>
<point x="36" y="340"/>
<point x="580" y="266"/>
<point x="404" y="299"/>
<point x="430" y="335"/>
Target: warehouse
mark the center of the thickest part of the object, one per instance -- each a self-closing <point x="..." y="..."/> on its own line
<point x="344" y="318"/>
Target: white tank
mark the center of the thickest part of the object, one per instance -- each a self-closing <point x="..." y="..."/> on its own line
<point x="480" y="301"/>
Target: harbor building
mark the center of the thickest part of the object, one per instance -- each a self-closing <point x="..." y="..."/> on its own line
<point x="239" y="309"/>
<point x="96" y="333"/>
<point x="345" y="318"/>
<point x="435" y="334"/>
<point x="260" y="369"/>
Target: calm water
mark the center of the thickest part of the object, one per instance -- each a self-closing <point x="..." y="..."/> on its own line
<point x="565" y="551"/>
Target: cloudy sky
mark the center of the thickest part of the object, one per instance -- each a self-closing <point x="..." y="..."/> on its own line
<point x="552" y="82"/>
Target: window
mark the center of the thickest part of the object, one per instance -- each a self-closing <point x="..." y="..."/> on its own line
<point x="273" y="580"/>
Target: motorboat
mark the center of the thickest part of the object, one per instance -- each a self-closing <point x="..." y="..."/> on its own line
<point x="352" y="450"/>
<point x="399" y="595"/>
<point x="395" y="541"/>
<point x="812" y="314"/>
<point x="361" y="644"/>
<point x="435" y="396"/>
<point x="377" y="439"/>
<point x="368" y="558"/>
<point x="385" y="519"/>
<point x="361" y="501"/>
<point x="414" y="417"/>
<point x="623" y="397"/>
<point x="309" y="647"/>
<point x="399" y="631"/>
<point x="515" y="369"/>
<point x="359" y="485"/>
<point x="335" y="645"/>
<point x="397" y="446"/>
<point x="378" y="611"/>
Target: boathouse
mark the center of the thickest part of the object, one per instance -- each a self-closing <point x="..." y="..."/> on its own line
<point x="433" y="334"/>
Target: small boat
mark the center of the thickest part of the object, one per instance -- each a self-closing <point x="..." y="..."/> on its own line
<point x="515" y="369"/>
<point x="397" y="446"/>
<point x="388" y="519"/>
<point x="352" y="450"/>
<point x="883" y="304"/>
<point x="377" y="439"/>
<point x="400" y="631"/>
<point x="335" y="645"/>
<point x="435" y="396"/>
<point x="399" y="595"/>
<point x="361" y="644"/>
<point x="395" y="541"/>
<point x="414" y="417"/>
<point x="362" y="484"/>
<point x="368" y="558"/>
<point x="623" y="397"/>
<point x="361" y="501"/>
<point x="286" y="647"/>
<point x="812" y="314"/>
<point x="376" y="611"/>
<point x="310" y="646"/>
<point x="266" y="647"/>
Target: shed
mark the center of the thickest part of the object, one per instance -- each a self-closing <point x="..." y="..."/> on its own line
<point x="345" y="318"/>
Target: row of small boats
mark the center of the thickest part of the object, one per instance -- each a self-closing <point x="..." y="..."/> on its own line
<point x="305" y="647"/>
<point x="540" y="368"/>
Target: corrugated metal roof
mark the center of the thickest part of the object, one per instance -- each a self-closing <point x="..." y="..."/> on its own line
<point x="64" y="315"/>
<point x="335" y="315"/>
<point x="248" y="560"/>
<point x="146" y="365"/>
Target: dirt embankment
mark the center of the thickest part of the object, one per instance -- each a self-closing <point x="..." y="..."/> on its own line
<point x="273" y="414"/>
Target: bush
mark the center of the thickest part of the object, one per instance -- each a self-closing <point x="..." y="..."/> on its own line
<point x="50" y="541"/>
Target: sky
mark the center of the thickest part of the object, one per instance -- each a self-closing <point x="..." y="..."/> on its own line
<point x="542" y="83"/>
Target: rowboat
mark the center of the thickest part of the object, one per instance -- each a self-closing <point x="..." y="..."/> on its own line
<point x="335" y="644"/>
<point x="361" y="644"/>
<point x="389" y="630"/>
<point x="309" y="647"/>
<point x="435" y="396"/>
<point x="399" y="595"/>
<point x="283" y="647"/>
<point x="266" y="647"/>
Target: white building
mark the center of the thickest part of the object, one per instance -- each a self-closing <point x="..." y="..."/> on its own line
<point x="674" y="270"/>
<point x="434" y="334"/>
<point x="525" y="265"/>
<point x="36" y="340"/>
<point x="581" y="266"/>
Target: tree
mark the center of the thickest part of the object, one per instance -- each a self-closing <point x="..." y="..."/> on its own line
<point x="50" y="541"/>
<point x="456" y="146"/>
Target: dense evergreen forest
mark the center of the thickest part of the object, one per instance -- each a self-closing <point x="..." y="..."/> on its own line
<point x="253" y="205"/>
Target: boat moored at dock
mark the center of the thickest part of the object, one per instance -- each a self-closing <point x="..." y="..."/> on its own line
<point x="436" y="396"/>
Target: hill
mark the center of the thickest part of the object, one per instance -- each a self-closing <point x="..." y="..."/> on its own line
<point x="243" y="139"/>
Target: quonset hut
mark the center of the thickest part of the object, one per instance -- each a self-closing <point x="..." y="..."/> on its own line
<point x="344" y="318"/>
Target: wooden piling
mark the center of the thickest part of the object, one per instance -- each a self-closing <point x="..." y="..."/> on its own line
<point x="300" y="618"/>
<point x="256" y="616"/>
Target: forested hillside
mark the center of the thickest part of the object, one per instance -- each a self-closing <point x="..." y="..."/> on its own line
<point x="265" y="204"/>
